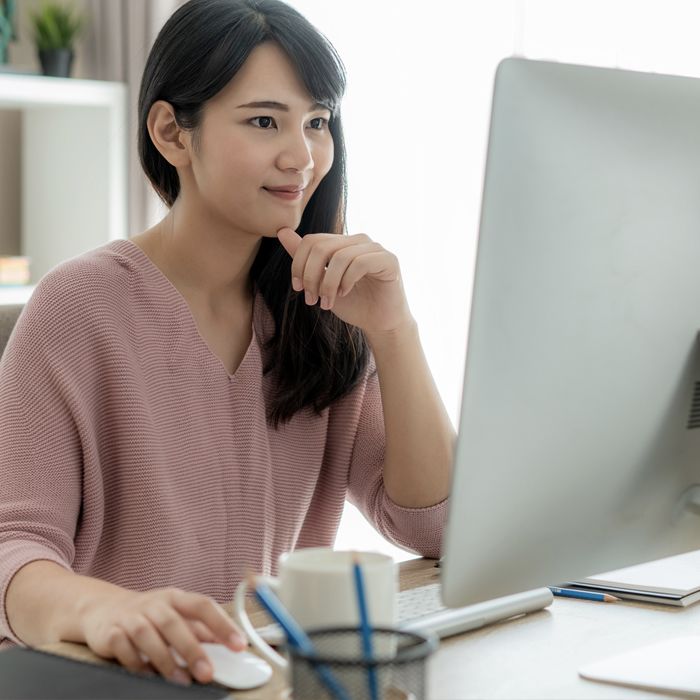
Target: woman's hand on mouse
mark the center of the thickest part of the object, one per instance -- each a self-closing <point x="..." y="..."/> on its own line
<point x="352" y="276"/>
<point x="131" y="625"/>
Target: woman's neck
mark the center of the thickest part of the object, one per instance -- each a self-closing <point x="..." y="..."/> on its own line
<point x="208" y="266"/>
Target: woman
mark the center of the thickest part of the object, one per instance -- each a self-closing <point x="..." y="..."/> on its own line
<point x="185" y="405"/>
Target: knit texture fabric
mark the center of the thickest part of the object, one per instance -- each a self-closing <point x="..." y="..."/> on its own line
<point x="128" y="453"/>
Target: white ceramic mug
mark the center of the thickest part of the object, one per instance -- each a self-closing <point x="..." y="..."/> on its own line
<point x="317" y="587"/>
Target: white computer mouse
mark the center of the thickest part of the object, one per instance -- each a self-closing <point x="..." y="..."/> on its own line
<point x="239" y="670"/>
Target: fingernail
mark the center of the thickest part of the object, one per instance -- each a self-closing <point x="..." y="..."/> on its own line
<point x="201" y="670"/>
<point x="297" y="286"/>
<point x="237" y="640"/>
<point x="179" y="676"/>
<point x="310" y="298"/>
<point x="325" y="303"/>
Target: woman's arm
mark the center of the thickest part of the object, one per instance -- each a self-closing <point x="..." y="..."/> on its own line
<point x="360" y="282"/>
<point x="47" y="603"/>
<point x="43" y="398"/>
<point x="419" y="435"/>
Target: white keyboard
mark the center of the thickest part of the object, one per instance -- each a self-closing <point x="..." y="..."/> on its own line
<point x="421" y="610"/>
<point x="414" y="603"/>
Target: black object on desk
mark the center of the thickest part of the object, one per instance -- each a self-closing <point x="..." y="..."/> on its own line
<point x="26" y="674"/>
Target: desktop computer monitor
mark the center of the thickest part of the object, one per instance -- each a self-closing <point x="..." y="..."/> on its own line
<point x="579" y="436"/>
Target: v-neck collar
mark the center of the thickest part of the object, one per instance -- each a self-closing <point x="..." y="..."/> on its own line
<point x="173" y="293"/>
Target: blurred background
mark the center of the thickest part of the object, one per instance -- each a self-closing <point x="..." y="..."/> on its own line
<point x="416" y="115"/>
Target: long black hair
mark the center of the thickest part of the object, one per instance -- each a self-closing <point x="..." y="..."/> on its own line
<point x="316" y="357"/>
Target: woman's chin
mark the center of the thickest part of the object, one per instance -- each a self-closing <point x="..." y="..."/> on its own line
<point x="273" y="233"/>
<point x="292" y="223"/>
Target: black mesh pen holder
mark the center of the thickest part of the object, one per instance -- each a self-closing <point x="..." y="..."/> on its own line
<point x="338" y="669"/>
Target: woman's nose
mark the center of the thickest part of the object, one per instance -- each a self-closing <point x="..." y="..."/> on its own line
<point x="297" y="153"/>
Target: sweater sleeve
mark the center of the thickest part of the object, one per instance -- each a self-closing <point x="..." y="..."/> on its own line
<point x="418" y="530"/>
<point x="40" y="454"/>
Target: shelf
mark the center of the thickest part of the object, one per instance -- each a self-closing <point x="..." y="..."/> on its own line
<point x="15" y="295"/>
<point x="74" y="165"/>
<point x="18" y="91"/>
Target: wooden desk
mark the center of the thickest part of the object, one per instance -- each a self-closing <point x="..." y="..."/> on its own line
<point x="535" y="656"/>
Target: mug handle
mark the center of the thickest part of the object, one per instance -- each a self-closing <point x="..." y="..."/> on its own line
<point x="242" y="618"/>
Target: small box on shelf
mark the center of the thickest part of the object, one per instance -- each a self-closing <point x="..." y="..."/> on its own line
<point x="14" y="270"/>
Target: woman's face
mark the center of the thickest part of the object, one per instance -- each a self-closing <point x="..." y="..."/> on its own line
<point x="243" y="150"/>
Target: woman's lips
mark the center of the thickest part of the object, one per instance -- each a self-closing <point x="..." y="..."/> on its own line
<point x="289" y="196"/>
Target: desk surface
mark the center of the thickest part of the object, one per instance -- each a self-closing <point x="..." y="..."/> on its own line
<point x="535" y="656"/>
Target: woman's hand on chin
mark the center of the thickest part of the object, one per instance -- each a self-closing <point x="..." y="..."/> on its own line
<point x="352" y="276"/>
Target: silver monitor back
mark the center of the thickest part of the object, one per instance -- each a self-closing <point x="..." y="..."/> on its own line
<point x="579" y="436"/>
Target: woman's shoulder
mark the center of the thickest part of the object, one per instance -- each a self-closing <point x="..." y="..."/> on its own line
<point x="93" y="285"/>
<point x="108" y="266"/>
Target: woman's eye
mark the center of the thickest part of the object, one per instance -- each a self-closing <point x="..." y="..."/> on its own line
<point x="267" y="119"/>
<point x="265" y="122"/>
<point x="323" y="120"/>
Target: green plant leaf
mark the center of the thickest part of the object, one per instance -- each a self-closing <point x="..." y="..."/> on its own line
<point x="56" y="26"/>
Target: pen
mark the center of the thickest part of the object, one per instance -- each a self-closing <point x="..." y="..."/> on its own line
<point x="365" y="628"/>
<point x="584" y="595"/>
<point x="296" y="635"/>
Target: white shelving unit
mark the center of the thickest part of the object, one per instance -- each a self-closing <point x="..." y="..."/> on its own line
<point x="74" y="165"/>
<point x="15" y="295"/>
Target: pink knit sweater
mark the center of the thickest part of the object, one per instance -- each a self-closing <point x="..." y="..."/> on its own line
<point x="128" y="453"/>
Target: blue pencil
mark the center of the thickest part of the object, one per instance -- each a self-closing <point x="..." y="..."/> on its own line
<point x="296" y="635"/>
<point x="365" y="627"/>
<point x="583" y="595"/>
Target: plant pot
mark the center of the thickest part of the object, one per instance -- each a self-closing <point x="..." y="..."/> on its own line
<point x="56" y="62"/>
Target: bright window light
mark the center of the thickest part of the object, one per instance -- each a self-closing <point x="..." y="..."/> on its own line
<point x="416" y="117"/>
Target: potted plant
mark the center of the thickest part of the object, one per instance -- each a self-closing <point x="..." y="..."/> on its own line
<point x="8" y="31"/>
<point x="56" y="27"/>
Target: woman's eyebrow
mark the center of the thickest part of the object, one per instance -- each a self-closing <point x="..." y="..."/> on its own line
<point x="271" y="104"/>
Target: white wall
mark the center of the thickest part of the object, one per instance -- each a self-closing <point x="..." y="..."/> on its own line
<point x="416" y="119"/>
<point x="416" y="122"/>
<point x="416" y="116"/>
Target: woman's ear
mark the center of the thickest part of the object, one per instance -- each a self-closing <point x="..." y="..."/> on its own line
<point x="172" y="142"/>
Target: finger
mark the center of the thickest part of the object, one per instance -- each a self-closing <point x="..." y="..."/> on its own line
<point x="178" y="635"/>
<point x="201" y="631"/>
<point x="198" y="607"/>
<point x="382" y="266"/>
<point x="337" y="266"/>
<point x="301" y="254"/>
<point x="146" y="638"/>
<point x="289" y="239"/>
<point x="124" y="651"/>
<point x="320" y="252"/>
